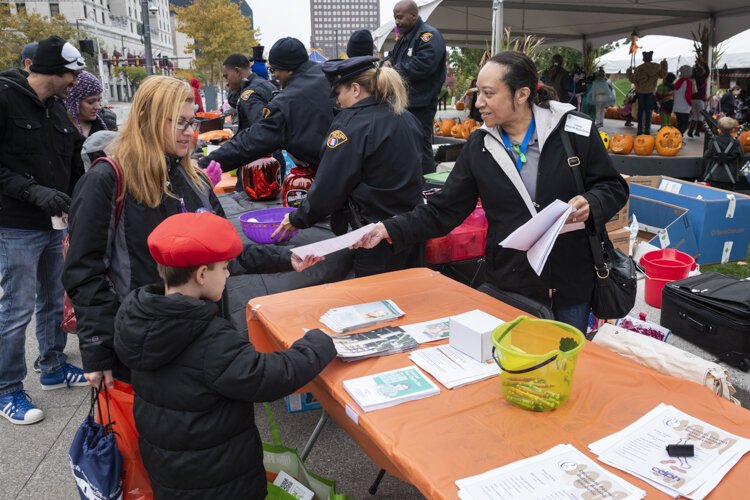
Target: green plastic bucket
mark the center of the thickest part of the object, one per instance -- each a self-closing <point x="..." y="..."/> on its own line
<point x="537" y="358"/>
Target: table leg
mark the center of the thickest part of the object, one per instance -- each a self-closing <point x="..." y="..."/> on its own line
<point x="314" y="436"/>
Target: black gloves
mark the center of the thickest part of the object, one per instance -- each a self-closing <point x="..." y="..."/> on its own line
<point x="52" y="201"/>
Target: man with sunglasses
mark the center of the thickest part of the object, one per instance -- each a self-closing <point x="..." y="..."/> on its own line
<point x="40" y="162"/>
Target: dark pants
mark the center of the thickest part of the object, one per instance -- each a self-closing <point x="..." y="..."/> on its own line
<point x="646" y="105"/>
<point x="426" y="117"/>
<point x="382" y="259"/>
<point x="683" y="119"/>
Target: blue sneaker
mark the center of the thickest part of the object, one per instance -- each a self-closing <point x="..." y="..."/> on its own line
<point x="65" y="376"/>
<point x="18" y="408"/>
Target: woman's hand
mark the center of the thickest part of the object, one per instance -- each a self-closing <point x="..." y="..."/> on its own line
<point x="300" y="265"/>
<point x="95" y="378"/>
<point x="581" y="212"/>
<point x="285" y="228"/>
<point x="373" y="238"/>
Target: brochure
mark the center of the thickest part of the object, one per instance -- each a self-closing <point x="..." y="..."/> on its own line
<point x="378" y="342"/>
<point x="325" y="247"/>
<point x="451" y="367"/>
<point x="560" y="472"/>
<point x="429" y="331"/>
<point x="390" y="388"/>
<point x="342" y="319"/>
<point x="640" y="449"/>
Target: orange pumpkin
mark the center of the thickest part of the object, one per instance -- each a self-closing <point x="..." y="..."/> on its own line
<point x="216" y="135"/>
<point x="643" y="144"/>
<point x="611" y="112"/>
<point x="446" y="126"/>
<point x="744" y="139"/>
<point x="668" y="141"/>
<point x="459" y="105"/>
<point x="470" y="122"/>
<point x="621" y="144"/>
<point x="456" y="131"/>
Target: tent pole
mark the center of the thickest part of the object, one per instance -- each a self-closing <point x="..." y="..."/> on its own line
<point x="497" y="26"/>
<point x="710" y="58"/>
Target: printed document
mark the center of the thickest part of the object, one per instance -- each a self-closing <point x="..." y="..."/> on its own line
<point x="342" y="319"/>
<point x="325" y="247"/>
<point x="451" y="367"/>
<point x="429" y="331"/>
<point x="390" y="388"/>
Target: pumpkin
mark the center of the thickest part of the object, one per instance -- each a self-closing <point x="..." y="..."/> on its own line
<point x="470" y="122"/>
<point x="605" y="139"/>
<point x="744" y="139"/>
<point x="643" y="144"/>
<point x="456" y="130"/>
<point x="216" y="135"/>
<point x="208" y="115"/>
<point x="668" y="141"/>
<point x="445" y="127"/>
<point x="612" y="112"/>
<point x="621" y="144"/>
<point x="459" y="105"/>
<point x="436" y="127"/>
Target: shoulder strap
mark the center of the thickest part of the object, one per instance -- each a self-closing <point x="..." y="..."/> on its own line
<point x="119" y="191"/>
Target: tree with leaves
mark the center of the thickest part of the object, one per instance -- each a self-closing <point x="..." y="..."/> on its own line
<point x="16" y="31"/>
<point x="218" y="29"/>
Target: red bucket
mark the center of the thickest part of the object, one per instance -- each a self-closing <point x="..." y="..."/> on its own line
<point x="668" y="264"/>
<point x="654" y="286"/>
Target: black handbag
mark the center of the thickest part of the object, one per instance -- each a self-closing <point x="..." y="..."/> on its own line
<point x="616" y="280"/>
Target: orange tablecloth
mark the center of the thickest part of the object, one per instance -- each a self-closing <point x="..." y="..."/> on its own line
<point x="469" y="430"/>
<point x="226" y="184"/>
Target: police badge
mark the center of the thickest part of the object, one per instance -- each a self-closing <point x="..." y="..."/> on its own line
<point x="426" y="36"/>
<point x="336" y="139"/>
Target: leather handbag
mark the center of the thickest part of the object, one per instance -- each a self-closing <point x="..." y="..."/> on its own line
<point x="616" y="280"/>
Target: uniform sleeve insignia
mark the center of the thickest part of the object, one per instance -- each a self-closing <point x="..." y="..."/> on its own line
<point x="336" y="139"/>
<point x="266" y="112"/>
<point x="426" y="36"/>
<point x="245" y="95"/>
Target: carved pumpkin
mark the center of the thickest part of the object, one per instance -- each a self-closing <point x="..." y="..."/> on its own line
<point x="621" y="144"/>
<point x="456" y="131"/>
<point x="459" y="105"/>
<point x="605" y="139"/>
<point x="668" y="141"/>
<point x="744" y="139"/>
<point x="446" y="126"/>
<point x="470" y="122"/>
<point x="643" y="144"/>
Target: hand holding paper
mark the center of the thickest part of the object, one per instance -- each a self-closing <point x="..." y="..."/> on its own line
<point x="331" y="245"/>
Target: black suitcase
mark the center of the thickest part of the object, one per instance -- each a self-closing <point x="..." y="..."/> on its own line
<point x="712" y="311"/>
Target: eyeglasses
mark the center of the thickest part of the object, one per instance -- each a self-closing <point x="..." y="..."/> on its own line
<point x="272" y="70"/>
<point x="183" y="125"/>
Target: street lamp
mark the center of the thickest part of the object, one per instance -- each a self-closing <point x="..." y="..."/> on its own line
<point x="99" y="60"/>
<point x="148" y="9"/>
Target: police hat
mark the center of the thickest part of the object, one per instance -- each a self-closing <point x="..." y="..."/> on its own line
<point x="339" y="71"/>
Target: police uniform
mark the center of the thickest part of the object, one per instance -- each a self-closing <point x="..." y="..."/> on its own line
<point x="419" y="56"/>
<point x="254" y="95"/>
<point x="370" y="165"/>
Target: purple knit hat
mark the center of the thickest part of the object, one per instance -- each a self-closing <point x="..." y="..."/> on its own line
<point x="87" y="86"/>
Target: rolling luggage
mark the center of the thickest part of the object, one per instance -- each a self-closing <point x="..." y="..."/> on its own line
<point x="711" y="311"/>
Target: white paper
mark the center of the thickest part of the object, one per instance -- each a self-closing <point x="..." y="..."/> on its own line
<point x="341" y="319"/>
<point x="451" y="367"/>
<point x="390" y="388"/>
<point x="578" y="125"/>
<point x="429" y="331"/>
<point x="726" y="251"/>
<point x="670" y="186"/>
<point x="325" y="247"/>
<point x="732" y="205"/>
<point x="293" y="487"/>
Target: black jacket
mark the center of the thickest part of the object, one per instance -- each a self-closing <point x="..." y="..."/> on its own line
<point x="38" y="145"/>
<point x="484" y="170"/>
<point x="371" y="156"/>
<point x="419" y="56"/>
<point x="105" y="263"/>
<point x="297" y="120"/>
<point x="195" y="379"/>
<point x="255" y="95"/>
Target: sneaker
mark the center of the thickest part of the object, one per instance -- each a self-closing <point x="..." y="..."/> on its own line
<point x="36" y="365"/>
<point x="18" y="408"/>
<point x="65" y="376"/>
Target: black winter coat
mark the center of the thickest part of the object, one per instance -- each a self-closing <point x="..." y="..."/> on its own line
<point x="38" y="145"/>
<point x="255" y="95"/>
<point x="105" y="263"/>
<point x="485" y="170"/>
<point x="195" y="379"/>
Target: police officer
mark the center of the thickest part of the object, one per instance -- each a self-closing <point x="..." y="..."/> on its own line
<point x="419" y="55"/>
<point x="297" y="119"/>
<point x="360" y="44"/>
<point x="371" y="161"/>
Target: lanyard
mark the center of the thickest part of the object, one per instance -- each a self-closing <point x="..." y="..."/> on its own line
<point x="519" y="150"/>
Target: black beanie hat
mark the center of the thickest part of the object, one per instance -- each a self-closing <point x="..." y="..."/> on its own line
<point x="55" y="56"/>
<point x="360" y="44"/>
<point x="287" y="53"/>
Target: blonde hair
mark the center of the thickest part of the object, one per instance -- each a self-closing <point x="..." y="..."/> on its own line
<point x="727" y="124"/>
<point x="140" y="145"/>
<point x="386" y="85"/>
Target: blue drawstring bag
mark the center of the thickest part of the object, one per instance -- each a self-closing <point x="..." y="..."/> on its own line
<point x="94" y="458"/>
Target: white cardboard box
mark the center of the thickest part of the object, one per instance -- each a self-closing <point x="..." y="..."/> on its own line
<point x="470" y="333"/>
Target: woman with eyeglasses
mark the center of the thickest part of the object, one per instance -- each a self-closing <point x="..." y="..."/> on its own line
<point x="108" y="256"/>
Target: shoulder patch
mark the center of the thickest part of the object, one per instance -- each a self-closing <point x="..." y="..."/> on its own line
<point x="245" y="95"/>
<point x="336" y="139"/>
<point x="266" y="112"/>
<point x="426" y="36"/>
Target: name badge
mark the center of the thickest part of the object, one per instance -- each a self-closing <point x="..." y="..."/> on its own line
<point x="410" y="51"/>
<point x="578" y="125"/>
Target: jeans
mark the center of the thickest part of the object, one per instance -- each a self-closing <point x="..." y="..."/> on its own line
<point x="31" y="264"/>
<point x="426" y="117"/>
<point x="577" y="316"/>
<point x="646" y="105"/>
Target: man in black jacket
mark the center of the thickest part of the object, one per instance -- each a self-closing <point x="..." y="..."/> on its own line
<point x="40" y="162"/>
<point x="419" y="55"/>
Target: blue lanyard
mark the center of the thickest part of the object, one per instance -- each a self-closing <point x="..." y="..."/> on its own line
<point x="519" y="150"/>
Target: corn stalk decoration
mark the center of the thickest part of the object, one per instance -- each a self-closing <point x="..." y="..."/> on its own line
<point x="528" y="44"/>
<point x="701" y="42"/>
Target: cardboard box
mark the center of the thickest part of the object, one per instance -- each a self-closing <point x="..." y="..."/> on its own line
<point x="663" y="225"/>
<point x="301" y="402"/>
<point x="720" y="219"/>
<point x="470" y="333"/>
<point x="620" y="239"/>
<point x="621" y="218"/>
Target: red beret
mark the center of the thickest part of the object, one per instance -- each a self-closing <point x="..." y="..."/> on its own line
<point x="189" y="240"/>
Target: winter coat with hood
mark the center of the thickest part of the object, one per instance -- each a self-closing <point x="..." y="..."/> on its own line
<point x="646" y="76"/>
<point x="195" y="378"/>
<point x="38" y="145"/>
<point x="485" y="170"/>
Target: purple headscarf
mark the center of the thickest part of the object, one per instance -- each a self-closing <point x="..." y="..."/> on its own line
<point x="87" y="86"/>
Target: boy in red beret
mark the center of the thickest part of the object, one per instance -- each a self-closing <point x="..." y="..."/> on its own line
<point x="195" y="377"/>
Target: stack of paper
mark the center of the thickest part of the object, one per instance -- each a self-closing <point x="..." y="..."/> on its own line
<point x="451" y="367"/>
<point x="640" y="449"/>
<point x="560" y="472"/>
<point x="429" y="331"/>
<point x="378" y="342"/>
<point x="343" y="319"/>
<point x="390" y="388"/>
